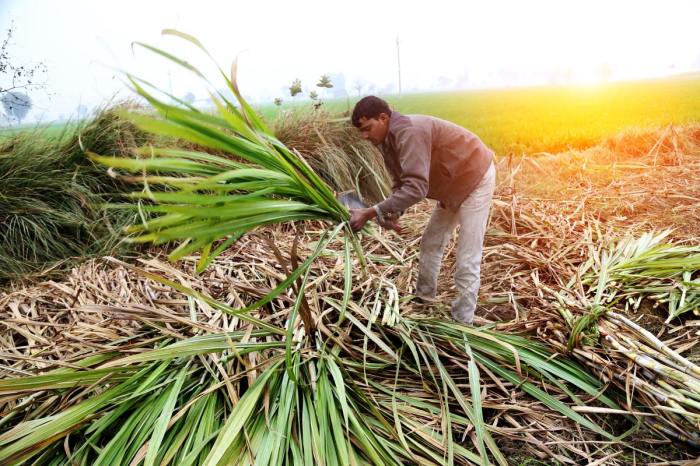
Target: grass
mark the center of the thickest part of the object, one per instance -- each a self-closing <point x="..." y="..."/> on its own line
<point x="51" y="196"/>
<point x="553" y="119"/>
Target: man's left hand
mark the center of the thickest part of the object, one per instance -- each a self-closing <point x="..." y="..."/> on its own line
<point x="358" y="217"/>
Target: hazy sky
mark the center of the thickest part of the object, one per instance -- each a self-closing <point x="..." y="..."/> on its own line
<point x="443" y="44"/>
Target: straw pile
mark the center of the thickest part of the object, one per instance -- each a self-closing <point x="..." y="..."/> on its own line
<point x="597" y="278"/>
<point x="50" y="196"/>
<point x="336" y="152"/>
<point x="106" y="307"/>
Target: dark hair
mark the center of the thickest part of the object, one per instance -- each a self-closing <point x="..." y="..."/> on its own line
<point x="369" y="107"/>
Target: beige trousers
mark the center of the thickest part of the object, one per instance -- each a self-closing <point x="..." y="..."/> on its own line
<point x="472" y="217"/>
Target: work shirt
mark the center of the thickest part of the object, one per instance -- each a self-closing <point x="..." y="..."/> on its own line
<point x="429" y="157"/>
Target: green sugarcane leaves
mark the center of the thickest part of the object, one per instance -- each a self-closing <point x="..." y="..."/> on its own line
<point x="207" y="200"/>
<point x="634" y="270"/>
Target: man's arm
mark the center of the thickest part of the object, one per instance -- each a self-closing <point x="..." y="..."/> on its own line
<point x="414" y="157"/>
<point x="395" y="182"/>
<point x="413" y="149"/>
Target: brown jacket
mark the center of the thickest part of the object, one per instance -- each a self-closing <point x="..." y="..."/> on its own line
<point x="430" y="157"/>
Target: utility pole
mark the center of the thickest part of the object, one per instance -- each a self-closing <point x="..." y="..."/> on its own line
<point x="398" y="62"/>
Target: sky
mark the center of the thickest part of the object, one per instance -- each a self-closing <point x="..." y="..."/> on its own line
<point x="87" y="45"/>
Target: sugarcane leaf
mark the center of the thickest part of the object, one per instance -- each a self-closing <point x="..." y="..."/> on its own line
<point x="165" y="415"/>
<point x="542" y="396"/>
<point x="347" y="283"/>
<point x="241" y="413"/>
<point x="475" y="391"/>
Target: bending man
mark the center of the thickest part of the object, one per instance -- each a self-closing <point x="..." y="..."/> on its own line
<point x="433" y="158"/>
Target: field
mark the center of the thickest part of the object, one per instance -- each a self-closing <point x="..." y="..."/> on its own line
<point x="530" y="120"/>
<point x="546" y="119"/>
<point x="556" y="119"/>
<point x="247" y="323"/>
<point x="50" y="130"/>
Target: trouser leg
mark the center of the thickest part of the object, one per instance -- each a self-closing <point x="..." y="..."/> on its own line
<point x="473" y="216"/>
<point x="435" y="238"/>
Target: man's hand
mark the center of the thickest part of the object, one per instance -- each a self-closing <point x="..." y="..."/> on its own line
<point x="393" y="225"/>
<point x="391" y="221"/>
<point x="358" y="217"/>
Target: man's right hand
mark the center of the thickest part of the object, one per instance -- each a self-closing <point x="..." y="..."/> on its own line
<point x="392" y="222"/>
<point x="394" y="225"/>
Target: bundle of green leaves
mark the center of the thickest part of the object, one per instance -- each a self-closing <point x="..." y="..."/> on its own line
<point x="207" y="201"/>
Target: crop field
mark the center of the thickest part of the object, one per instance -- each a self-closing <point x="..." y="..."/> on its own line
<point x="528" y="120"/>
<point x="553" y="119"/>
<point x="556" y="119"/>
<point x="50" y="130"/>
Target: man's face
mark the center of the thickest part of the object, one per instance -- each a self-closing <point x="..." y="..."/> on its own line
<point x="374" y="130"/>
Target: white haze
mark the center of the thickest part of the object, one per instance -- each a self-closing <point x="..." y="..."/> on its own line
<point x="460" y="44"/>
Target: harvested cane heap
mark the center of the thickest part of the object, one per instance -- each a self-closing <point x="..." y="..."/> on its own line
<point x="298" y="343"/>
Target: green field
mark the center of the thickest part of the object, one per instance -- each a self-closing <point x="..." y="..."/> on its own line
<point x="52" y="130"/>
<point x="552" y="119"/>
<point x="537" y="119"/>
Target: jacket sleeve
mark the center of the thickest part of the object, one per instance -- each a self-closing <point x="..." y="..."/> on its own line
<point x="413" y="149"/>
<point x="395" y="182"/>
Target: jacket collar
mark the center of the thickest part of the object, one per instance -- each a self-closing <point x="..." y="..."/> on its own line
<point x="394" y="121"/>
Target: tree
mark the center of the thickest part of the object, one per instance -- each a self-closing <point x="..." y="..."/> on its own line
<point x="295" y="88"/>
<point x="313" y="95"/>
<point x="358" y="86"/>
<point x="16" y="104"/>
<point x="14" y="77"/>
<point x="325" y="82"/>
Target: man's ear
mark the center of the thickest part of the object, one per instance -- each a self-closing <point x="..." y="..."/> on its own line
<point x="383" y="117"/>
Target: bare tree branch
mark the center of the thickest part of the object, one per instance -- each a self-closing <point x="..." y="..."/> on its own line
<point x="25" y="76"/>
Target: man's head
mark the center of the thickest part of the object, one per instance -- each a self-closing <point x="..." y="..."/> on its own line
<point x="371" y="117"/>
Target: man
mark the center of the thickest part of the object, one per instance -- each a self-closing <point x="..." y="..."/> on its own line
<point x="430" y="157"/>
